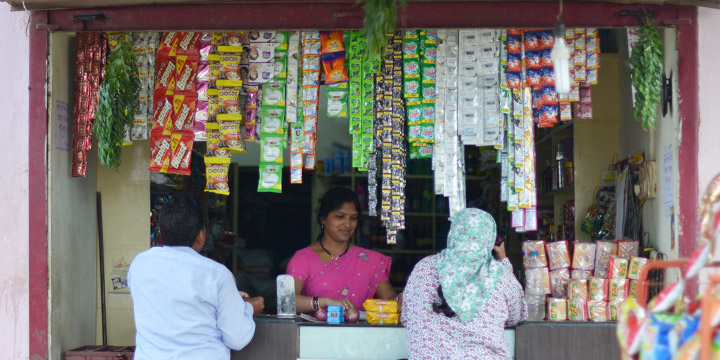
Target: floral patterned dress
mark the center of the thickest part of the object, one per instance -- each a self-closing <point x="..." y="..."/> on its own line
<point x="435" y="336"/>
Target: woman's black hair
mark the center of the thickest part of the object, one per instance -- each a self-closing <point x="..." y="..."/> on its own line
<point x="333" y="200"/>
<point x="443" y="307"/>
<point x="181" y="219"/>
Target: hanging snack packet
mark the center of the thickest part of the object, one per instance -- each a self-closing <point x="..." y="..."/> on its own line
<point x="617" y="267"/>
<point x="559" y="283"/>
<point x="604" y="250"/>
<point x="270" y="178"/>
<point x="262" y="52"/>
<point x="537" y="281"/>
<point x="557" y="254"/>
<point x="628" y="248"/>
<point x="160" y="149"/>
<point x="335" y="70"/>
<point x="229" y="42"/>
<point x="534" y="254"/>
<point x="217" y="178"/>
<point x="598" y="288"/>
<point x="636" y="265"/>
<point x="229" y="76"/>
<point x="667" y="298"/>
<point x="271" y="150"/>
<point x="337" y="104"/>
<point x="216" y="152"/>
<point x="272" y="121"/>
<point x="273" y="95"/>
<point x="597" y="310"/>
<point x="580" y="274"/>
<point x="229" y="106"/>
<point x="697" y="260"/>
<point x="618" y="289"/>
<point x="181" y="152"/>
<point x="584" y="256"/>
<point x="184" y="113"/>
<point x="556" y="309"/>
<point x="232" y="135"/>
<point x="655" y="343"/>
<point x="577" y="310"/>
<point x="163" y="112"/>
<point x="577" y="289"/>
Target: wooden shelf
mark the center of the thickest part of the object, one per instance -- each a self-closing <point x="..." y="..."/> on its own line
<point x="554" y="131"/>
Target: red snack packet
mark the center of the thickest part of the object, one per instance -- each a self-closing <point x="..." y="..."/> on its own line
<point x="332" y="43"/>
<point x="186" y="73"/>
<point x="546" y="59"/>
<point x="184" y="113"/>
<point x="533" y="60"/>
<point x="160" y="149"/>
<point x="533" y="40"/>
<point x="547" y="40"/>
<point x="168" y="44"/>
<point x="584" y="111"/>
<point x="162" y="113"/>
<point x="548" y="77"/>
<point x="188" y="44"/>
<point x="165" y="73"/>
<point x="549" y="96"/>
<point x="534" y="77"/>
<point x="335" y="71"/>
<point x="181" y="152"/>
<point x="514" y="43"/>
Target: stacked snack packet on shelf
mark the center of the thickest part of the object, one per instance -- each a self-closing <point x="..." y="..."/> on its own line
<point x="175" y="100"/>
<point x="382" y="312"/>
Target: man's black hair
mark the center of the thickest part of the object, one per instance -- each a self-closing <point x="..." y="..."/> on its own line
<point x="181" y="219"/>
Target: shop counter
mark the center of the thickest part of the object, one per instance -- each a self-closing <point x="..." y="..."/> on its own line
<point x="566" y="340"/>
<point x="297" y="339"/>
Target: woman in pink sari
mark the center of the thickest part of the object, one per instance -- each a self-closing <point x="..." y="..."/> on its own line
<point x="332" y="271"/>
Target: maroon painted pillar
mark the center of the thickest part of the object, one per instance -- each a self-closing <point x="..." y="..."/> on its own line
<point x="37" y="189"/>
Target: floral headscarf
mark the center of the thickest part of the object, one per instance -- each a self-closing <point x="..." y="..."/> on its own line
<point x="468" y="273"/>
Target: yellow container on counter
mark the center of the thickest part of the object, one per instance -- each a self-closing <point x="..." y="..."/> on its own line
<point x="381" y="306"/>
<point x="378" y="318"/>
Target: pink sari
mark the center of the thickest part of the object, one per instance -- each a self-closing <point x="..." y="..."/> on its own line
<point x="354" y="276"/>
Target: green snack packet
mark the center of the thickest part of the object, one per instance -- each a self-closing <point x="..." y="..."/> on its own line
<point x="411" y="48"/>
<point x="280" y="67"/>
<point x="427" y="133"/>
<point x="414" y="114"/>
<point x="337" y="101"/>
<point x="273" y="95"/>
<point x="428" y="93"/>
<point x="355" y="106"/>
<point x="412" y="89"/>
<point x="425" y="151"/>
<point x="355" y="69"/>
<point x="271" y="150"/>
<point x="367" y="142"/>
<point x="414" y="131"/>
<point x="281" y="41"/>
<point x="367" y="125"/>
<point x="368" y="90"/>
<point x="355" y="88"/>
<point x="273" y="120"/>
<point x="355" y="125"/>
<point x="428" y="113"/>
<point x="411" y="68"/>
<point x="428" y="73"/>
<point x="270" y="178"/>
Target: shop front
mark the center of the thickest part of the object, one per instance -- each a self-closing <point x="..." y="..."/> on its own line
<point x="64" y="208"/>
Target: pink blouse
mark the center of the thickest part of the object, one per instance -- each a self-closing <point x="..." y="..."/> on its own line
<point x="354" y="276"/>
<point x="435" y="336"/>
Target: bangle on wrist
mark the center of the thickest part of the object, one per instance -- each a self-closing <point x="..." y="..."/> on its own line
<point x="315" y="303"/>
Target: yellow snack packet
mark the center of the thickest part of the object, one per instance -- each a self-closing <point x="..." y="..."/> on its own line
<point x="381" y="306"/>
<point x="379" y="318"/>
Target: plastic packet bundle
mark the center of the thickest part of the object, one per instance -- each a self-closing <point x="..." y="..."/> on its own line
<point x="217" y="178"/>
<point x="377" y="318"/>
<point x="597" y="310"/>
<point x="537" y="281"/>
<point x="557" y="254"/>
<point x="598" y="288"/>
<point x="618" y="289"/>
<point x="580" y="274"/>
<point x="557" y="309"/>
<point x="534" y="254"/>
<point x="381" y="306"/>
<point x="577" y="289"/>
<point x="584" y="256"/>
<point x="559" y="282"/>
<point x="636" y="265"/>
<point x="612" y="309"/>
<point x="628" y="248"/>
<point x="617" y="267"/>
<point x="604" y="250"/>
<point x="577" y="310"/>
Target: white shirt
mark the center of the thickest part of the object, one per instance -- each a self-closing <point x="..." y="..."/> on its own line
<point x="186" y="306"/>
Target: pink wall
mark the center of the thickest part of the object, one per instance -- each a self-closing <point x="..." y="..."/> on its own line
<point x="14" y="72"/>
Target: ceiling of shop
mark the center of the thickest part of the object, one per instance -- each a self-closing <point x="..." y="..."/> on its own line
<point x="76" y="4"/>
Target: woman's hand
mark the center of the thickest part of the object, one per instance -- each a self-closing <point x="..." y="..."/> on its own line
<point x="347" y="304"/>
<point x="258" y="304"/>
<point x="500" y="251"/>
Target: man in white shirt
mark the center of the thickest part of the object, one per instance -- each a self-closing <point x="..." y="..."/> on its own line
<point x="186" y="305"/>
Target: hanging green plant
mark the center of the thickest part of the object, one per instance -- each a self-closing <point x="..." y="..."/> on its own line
<point x="380" y="19"/>
<point x="117" y="102"/>
<point x="646" y="73"/>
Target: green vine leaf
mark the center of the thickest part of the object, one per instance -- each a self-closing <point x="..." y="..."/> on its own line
<point x="380" y="19"/>
<point x="646" y="73"/>
<point x="117" y="103"/>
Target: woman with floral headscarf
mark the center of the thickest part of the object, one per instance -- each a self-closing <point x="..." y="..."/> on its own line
<point x="457" y="303"/>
